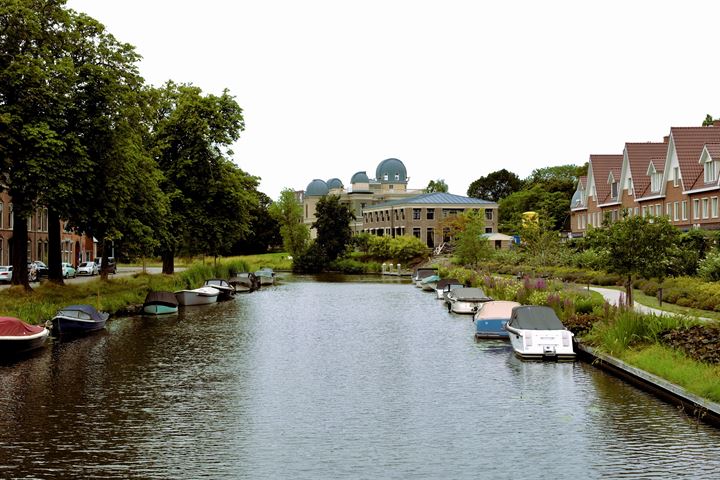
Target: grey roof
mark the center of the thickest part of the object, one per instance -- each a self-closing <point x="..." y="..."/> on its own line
<point x="360" y="177"/>
<point x="317" y="188"/>
<point x="334" y="183"/>
<point x="435" y="198"/>
<point x="393" y="168"/>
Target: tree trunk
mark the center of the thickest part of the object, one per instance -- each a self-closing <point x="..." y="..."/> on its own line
<point x="20" y="256"/>
<point x="629" y="293"/>
<point x="168" y="260"/>
<point x="55" y="273"/>
<point x="104" y="261"/>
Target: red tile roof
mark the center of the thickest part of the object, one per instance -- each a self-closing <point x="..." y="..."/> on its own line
<point x="639" y="157"/>
<point x="689" y="143"/>
<point x="602" y="166"/>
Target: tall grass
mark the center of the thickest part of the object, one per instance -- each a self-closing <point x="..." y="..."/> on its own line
<point x="113" y="295"/>
<point x="628" y="328"/>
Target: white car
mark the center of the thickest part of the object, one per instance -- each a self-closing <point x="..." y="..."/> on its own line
<point x="6" y="273"/>
<point x="68" y="271"/>
<point x="87" y="268"/>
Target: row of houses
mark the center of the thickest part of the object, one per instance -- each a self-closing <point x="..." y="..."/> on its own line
<point x="677" y="178"/>
<point x="74" y="248"/>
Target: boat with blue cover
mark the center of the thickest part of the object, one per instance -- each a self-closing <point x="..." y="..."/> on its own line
<point x="429" y="284"/>
<point x="75" y="319"/>
<point x="490" y="320"/>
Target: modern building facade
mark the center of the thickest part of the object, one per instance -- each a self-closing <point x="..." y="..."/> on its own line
<point x="384" y="205"/>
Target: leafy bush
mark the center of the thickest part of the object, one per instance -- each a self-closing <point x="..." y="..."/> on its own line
<point x="314" y="260"/>
<point x="701" y="342"/>
<point x="709" y="267"/>
<point x="400" y="249"/>
<point x="350" y="266"/>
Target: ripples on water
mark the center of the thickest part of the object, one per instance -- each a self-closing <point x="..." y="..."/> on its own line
<point x="328" y="380"/>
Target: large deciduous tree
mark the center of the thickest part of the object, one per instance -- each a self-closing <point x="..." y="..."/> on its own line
<point x="333" y="226"/>
<point x="495" y="186"/>
<point x="470" y="244"/>
<point x="209" y="196"/>
<point x="287" y="211"/>
<point x="643" y="246"/>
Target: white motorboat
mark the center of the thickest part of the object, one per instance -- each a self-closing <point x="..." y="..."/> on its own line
<point x="536" y="333"/>
<point x="422" y="273"/>
<point x="466" y="300"/>
<point x="198" y="296"/>
<point x="226" y="290"/>
<point x="445" y="285"/>
<point x="266" y="276"/>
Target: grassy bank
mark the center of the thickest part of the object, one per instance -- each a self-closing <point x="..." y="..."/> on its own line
<point x="113" y="295"/>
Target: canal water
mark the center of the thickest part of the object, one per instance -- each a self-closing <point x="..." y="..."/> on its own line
<point x="329" y="380"/>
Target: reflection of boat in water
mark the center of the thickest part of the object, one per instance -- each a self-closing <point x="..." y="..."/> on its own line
<point x="245" y="282"/>
<point x="490" y="320"/>
<point x="226" y="290"/>
<point x="537" y="333"/>
<point x="198" y="296"/>
<point x="76" y="319"/>
<point x="18" y="337"/>
<point x="160" y="303"/>
<point x="466" y="300"/>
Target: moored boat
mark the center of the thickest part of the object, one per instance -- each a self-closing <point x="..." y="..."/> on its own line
<point x="18" y="337"/>
<point x="536" y="333"/>
<point x="422" y="273"/>
<point x="466" y="300"/>
<point x="490" y="320"/>
<point x="429" y="284"/>
<point x="75" y="319"/>
<point x="160" y="303"/>
<point x="445" y="285"/>
<point x="226" y="290"/>
<point x="197" y="296"/>
<point x="266" y="276"/>
<point x="245" y="282"/>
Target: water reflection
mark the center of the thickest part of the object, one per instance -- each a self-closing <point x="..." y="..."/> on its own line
<point x="328" y="379"/>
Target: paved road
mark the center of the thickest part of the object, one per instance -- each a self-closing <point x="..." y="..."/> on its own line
<point x="613" y="297"/>
<point x="121" y="272"/>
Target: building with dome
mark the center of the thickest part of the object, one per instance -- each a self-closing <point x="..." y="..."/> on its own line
<point x="387" y="196"/>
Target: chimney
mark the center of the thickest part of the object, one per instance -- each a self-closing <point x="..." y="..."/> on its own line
<point x="666" y="139"/>
<point x="716" y="123"/>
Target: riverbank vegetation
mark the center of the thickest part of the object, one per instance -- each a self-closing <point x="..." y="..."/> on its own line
<point x="114" y="295"/>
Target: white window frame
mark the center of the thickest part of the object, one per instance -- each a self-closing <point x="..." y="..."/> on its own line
<point x="709" y="170"/>
<point x="676" y="211"/>
<point x="705" y="207"/>
<point x="696" y="209"/>
<point x="714" y="207"/>
<point x="676" y="176"/>
<point x="684" y="209"/>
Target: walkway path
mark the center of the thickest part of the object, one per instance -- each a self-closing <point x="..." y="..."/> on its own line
<point x="613" y="297"/>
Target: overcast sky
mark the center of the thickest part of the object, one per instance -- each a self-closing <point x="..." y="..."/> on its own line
<point x="454" y="89"/>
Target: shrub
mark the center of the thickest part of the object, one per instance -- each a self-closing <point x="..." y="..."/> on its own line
<point x="709" y="267"/>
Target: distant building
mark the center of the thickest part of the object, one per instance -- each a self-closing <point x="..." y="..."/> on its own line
<point x="385" y="206"/>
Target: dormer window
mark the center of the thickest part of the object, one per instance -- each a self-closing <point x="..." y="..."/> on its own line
<point x="385" y="177"/>
<point x="655" y="178"/>
<point x="630" y="186"/>
<point x="397" y="177"/>
<point x="710" y="171"/>
<point x="614" y="190"/>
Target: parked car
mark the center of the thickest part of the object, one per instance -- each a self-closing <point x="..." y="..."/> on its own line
<point x="6" y="273"/>
<point x="112" y="266"/>
<point x="37" y="269"/>
<point x="87" y="268"/>
<point x="68" y="271"/>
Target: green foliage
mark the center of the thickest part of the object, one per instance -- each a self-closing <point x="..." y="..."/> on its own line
<point x="436" y="186"/>
<point x="351" y="266"/>
<point x="287" y="211"/>
<point x="552" y="206"/>
<point x="562" y="178"/>
<point x="495" y="186"/>
<point x="708" y="122"/>
<point x="333" y="226"/>
<point x="312" y="260"/>
<point x="541" y="245"/>
<point x="629" y="328"/>
<point x="470" y="245"/>
<point x="264" y="229"/>
<point x="400" y="249"/>
<point x="709" y="267"/>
